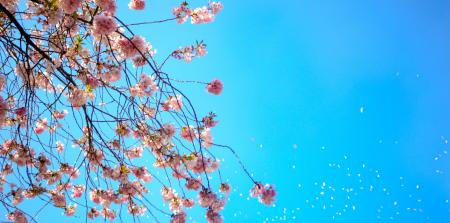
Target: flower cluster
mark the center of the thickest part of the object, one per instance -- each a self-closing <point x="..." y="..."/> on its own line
<point x="109" y="6"/>
<point x="199" y="15"/>
<point x="17" y="217"/>
<point x="265" y="193"/>
<point x="11" y="5"/>
<point x="3" y="111"/>
<point x="137" y="4"/>
<point x="70" y="6"/>
<point x="189" y="52"/>
<point x="145" y="87"/>
<point x="104" y="25"/>
<point x="215" y="87"/>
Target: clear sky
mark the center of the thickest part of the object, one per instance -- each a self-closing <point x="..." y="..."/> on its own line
<point x="343" y="105"/>
<point x="360" y="85"/>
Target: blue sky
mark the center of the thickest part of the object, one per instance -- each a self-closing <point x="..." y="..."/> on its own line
<point x="359" y="87"/>
<point x="298" y="72"/>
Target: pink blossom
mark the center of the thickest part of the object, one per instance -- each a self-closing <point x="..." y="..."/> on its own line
<point x="225" y="188"/>
<point x="174" y="103"/>
<point x="113" y="74"/>
<point x="109" y="6"/>
<point x="198" y="15"/>
<point x="7" y="169"/>
<point x="108" y="214"/>
<point x="179" y="174"/>
<point x="142" y="173"/>
<point x="125" y="48"/>
<point x="203" y="164"/>
<point x="70" y="210"/>
<point x="89" y="80"/>
<point x="137" y="4"/>
<point x="131" y="47"/>
<point x="63" y="187"/>
<point x="178" y="218"/>
<point x="42" y="162"/>
<point x="136" y="91"/>
<point x="140" y="43"/>
<point x="61" y="114"/>
<point x="119" y="173"/>
<point x="71" y="171"/>
<point x="17" y="217"/>
<point x="132" y="188"/>
<point x="213" y="217"/>
<point x="43" y="81"/>
<point x="23" y="157"/>
<point x="188" y="133"/>
<point x="95" y="156"/>
<point x="209" y="121"/>
<point x="93" y="213"/>
<point x="32" y="192"/>
<point x="115" y="144"/>
<point x="206" y="198"/>
<point x="106" y="197"/>
<point x="214" y="165"/>
<point x="167" y="193"/>
<point x="78" y="190"/>
<point x="268" y="195"/>
<point x="201" y="15"/>
<point x="148" y="111"/>
<point x="218" y="205"/>
<point x="11" y="5"/>
<point x="139" y="61"/>
<point x="104" y="25"/>
<point x="17" y="197"/>
<point x="193" y="184"/>
<point x="216" y="7"/>
<point x="59" y="200"/>
<point x="145" y="87"/>
<point x="256" y="190"/>
<point x="215" y="87"/>
<point x="51" y="177"/>
<point x="21" y="111"/>
<point x="122" y="129"/>
<point x="3" y="110"/>
<point x="201" y="50"/>
<point x="78" y="98"/>
<point x="207" y="140"/>
<point x="70" y="24"/>
<point x="41" y="126"/>
<point x="187" y="53"/>
<point x="168" y="130"/>
<point x="188" y="202"/>
<point x="94" y="195"/>
<point x="135" y="152"/>
<point x="22" y="71"/>
<point x="182" y="13"/>
<point x="136" y="210"/>
<point x="176" y="204"/>
<point x="2" y="80"/>
<point x="59" y="146"/>
<point x="70" y="6"/>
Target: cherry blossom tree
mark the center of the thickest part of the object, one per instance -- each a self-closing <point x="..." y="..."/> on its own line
<point x="84" y="99"/>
